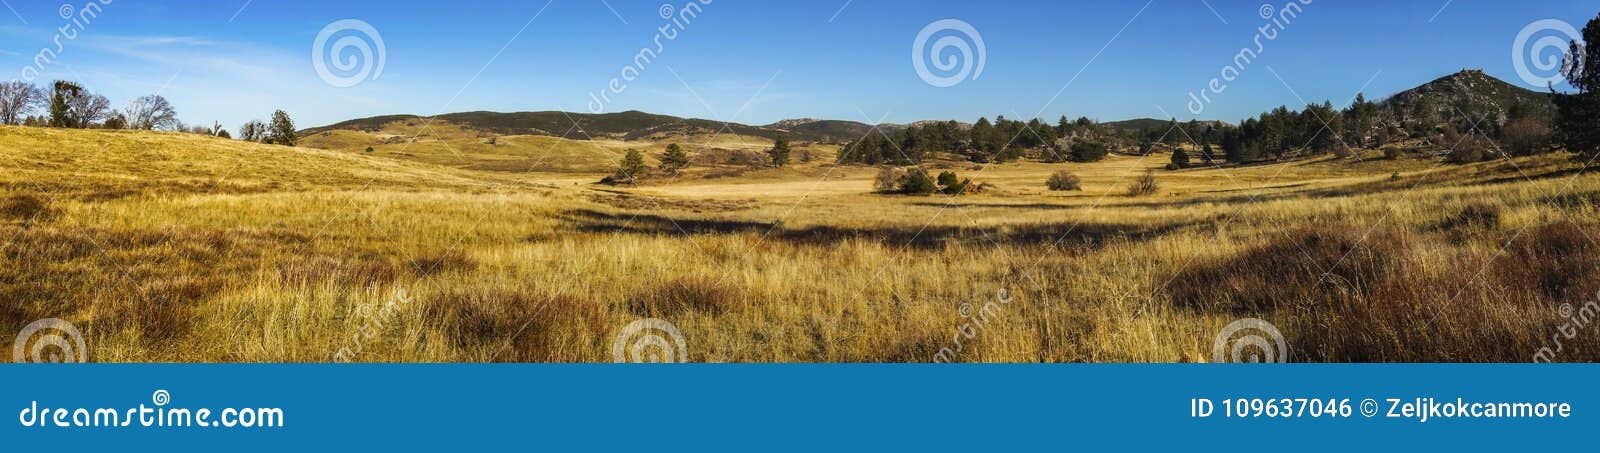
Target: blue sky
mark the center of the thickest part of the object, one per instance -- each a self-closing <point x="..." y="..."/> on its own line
<point x="760" y="61"/>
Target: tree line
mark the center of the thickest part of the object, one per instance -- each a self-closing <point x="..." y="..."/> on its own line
<point x="69" y="105"/>
<point x="1318" y="128"/>
<point x="674" y="159"/>
<point x="1464" y="132"/>
<point x="1002" y="140"/>
<point x="1578" y="119"/>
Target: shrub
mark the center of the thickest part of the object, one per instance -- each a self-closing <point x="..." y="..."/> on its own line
<point x="1343" y="152"/>
<point x="1086" y="151"/>
<point x="1470" y="149"/>
<point x="917" y="182"/>
<point x="1526" y="136"/>
<point x="888" y="180"/>
<point x="1063" y="180"/>
<point x="966" y="187"/>
<point x="1145" y="185"/>
<point x="950" y="184"/>
<point x="1391" y="152"/>
<point x="914" y="181"/>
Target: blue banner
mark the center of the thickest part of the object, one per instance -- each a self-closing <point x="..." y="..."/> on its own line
<point x="798" y="407"/>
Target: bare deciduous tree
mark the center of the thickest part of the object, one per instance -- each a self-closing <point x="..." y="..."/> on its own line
<point x="73" y="106"/>
<point x="17" y="98"/>
<point x="91" y="109"/>
<point x="150" y="113"/>
<point x="253" y="131"/>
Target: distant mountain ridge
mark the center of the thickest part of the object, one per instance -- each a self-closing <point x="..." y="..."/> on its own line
<point x="1140" y="124"/>
<point x="830" y="131"/>
<point x="1470" y="92"/>
<point x="577" y="126"/>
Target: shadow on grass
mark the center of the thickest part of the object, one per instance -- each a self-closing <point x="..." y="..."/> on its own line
<point x="929" y="237"/>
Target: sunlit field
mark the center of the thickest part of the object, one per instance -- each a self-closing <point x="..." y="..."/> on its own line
<point x="181" y="247"/>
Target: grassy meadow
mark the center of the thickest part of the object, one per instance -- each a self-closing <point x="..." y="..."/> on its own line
<point x="179" y="247"/>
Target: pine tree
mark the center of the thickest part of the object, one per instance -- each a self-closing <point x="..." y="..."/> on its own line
<point x="779" y="153"/>
<point x="1578" y="122"/>
<point x="674" y="159"/>
<point x="1174" y="135"/>
<point x="61" y="114"/>
<point x="281" y="132"/>
<point x="632" y="166"/>
<point x="982" y="136"/>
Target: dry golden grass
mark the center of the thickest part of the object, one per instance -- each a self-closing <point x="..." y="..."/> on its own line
<point x="173" y="247"/>
<point x="450" y="145"/>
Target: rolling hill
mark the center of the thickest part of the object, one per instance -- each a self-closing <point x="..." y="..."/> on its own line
<point x="831" y="131"/>
<point x="1140" y="124"/>
<point x="187" y="247"/>
<point x="581" y="142"/>
<point x="629" y="125"/>
<point x="1474" y="94"/>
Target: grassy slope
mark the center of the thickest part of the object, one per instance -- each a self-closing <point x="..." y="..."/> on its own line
<point x="89" y="162"/>
<point x="450" y="144"/>
<point x="226" y="251"/>
<point x="569" y="125"/>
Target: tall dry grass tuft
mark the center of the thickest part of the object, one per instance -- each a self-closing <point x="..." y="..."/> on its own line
<point x="515" y="326"/>
<point x="1559" y="261"/>
<point x="1476" y="215"/>
<point x="687" y="295"/>
<point x="1311" y="266"/>
<point x="357" y="271"/>
<point x="162" y="309"/>
<point x="27" y="207"/>
<point x="441" y="263"/>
